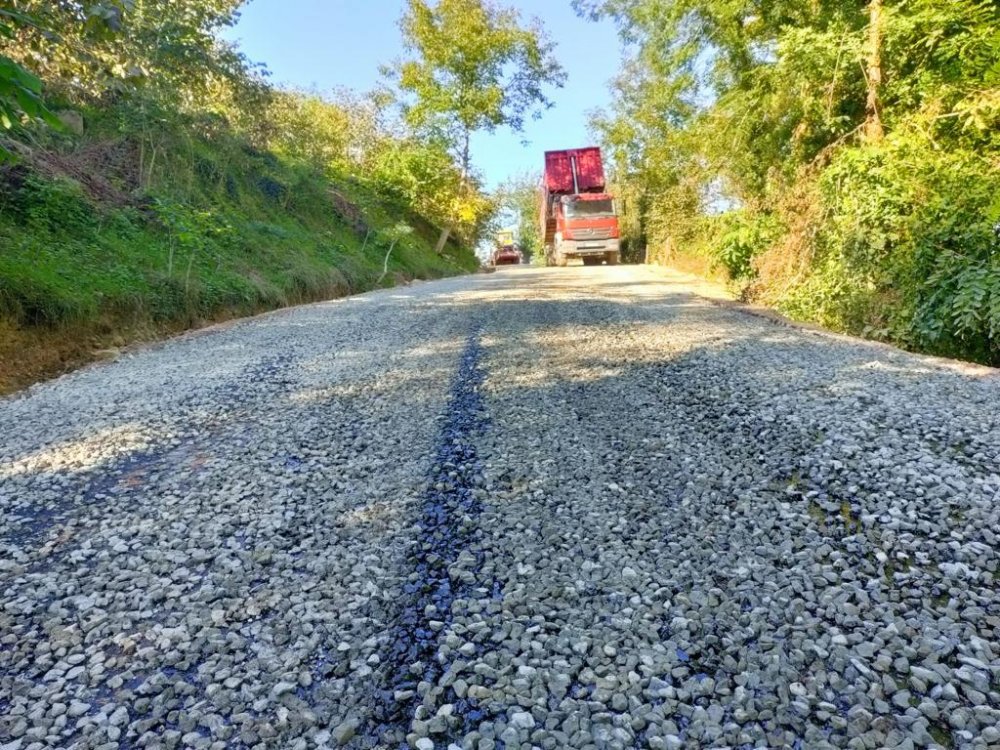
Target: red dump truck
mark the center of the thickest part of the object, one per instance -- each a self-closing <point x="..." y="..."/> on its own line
<point x="578" y="218"/>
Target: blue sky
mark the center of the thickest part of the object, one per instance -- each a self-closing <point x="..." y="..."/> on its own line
<point x="325" y="44"/>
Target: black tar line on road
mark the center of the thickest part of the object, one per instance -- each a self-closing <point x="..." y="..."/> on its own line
<point x="447" y="530"/>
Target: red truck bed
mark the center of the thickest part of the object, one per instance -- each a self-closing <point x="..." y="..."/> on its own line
<point x="589" y="170"/>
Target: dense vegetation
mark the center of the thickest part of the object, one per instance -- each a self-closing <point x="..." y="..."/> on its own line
<point x="151" y="177"/>
<point x="839" y="159"/>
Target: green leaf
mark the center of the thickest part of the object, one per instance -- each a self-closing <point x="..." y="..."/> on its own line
<point x="993" y="212"/>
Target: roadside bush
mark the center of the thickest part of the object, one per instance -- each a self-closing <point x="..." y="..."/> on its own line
<point x="909" y="249"/>
<point x="743" y="236"/>
<point x="54" y="205"/>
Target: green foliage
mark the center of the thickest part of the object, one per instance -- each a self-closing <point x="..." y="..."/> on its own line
<point x="167" y="50"/>
<point x="51" y="205"/>
<point x="316" y="130"/>
<point x="473" y="67"/>
<point x="768" y="106"/>
<point x="924" y="238"/>
<point x="159" y="66"/>
<point x="422" y="174"/>
<point x="744" y="235"/>
<point x="20" y="91"/>
<point x="196" y="188"/>
<point x="194" y="252"/>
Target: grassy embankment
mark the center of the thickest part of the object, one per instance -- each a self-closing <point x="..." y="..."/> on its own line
<point x="103" y="244"/>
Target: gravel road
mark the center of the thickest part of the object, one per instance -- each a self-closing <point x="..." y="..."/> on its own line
<point x="559" y="508"/>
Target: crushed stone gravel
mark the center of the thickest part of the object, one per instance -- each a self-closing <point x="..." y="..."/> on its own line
<point x="544" y="508"/>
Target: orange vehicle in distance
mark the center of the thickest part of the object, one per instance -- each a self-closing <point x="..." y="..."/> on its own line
<point x="506" y="253"/>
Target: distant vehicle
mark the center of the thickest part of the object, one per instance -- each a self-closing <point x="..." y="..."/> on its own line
<point x="578" y="218"/>
<point x="506" y="253"/>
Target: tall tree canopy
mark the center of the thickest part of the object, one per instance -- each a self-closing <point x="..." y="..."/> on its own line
<point x="473" y="66"/>
<point x="93" y="49"/>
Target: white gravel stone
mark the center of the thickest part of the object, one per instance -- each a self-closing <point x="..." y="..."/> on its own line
<point x="685" y="526"/>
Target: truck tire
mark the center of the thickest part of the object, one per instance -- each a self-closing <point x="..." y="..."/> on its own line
<point x="591" y="260"/>
<point x="612" y="259"/>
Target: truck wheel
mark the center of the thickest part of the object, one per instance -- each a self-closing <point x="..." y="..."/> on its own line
<point x="612" y="259"/>
<point x="590" y="260"/>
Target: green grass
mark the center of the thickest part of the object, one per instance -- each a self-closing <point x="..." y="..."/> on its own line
<point x="220" y="229"/>
<point x="941" y="735"/>
<point x="851" y="524"/>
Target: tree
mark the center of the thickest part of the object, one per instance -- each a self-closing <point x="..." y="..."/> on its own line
<point x="167" y="49"/>
<point x="473" y="67"/>
<point x="392" y="235"/>
<point x="421" y="173"/>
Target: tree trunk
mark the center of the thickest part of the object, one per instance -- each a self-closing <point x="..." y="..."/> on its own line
<point x="873" y="120"/>
<point x="446" y="232"/>
<point x="385" y="265"/>
<point x="465" y="160"/>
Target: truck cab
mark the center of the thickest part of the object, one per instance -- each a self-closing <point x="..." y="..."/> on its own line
<point x="578" y="217"/>
<point x="586" y="228"/>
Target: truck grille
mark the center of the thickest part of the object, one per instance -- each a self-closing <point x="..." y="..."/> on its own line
<point x="591" y="234"/>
